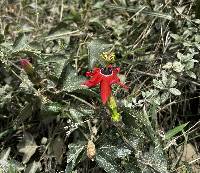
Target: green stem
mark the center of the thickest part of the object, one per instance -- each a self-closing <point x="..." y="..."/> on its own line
<point x="115" y="115"/>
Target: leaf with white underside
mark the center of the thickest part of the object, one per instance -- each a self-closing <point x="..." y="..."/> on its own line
<point x="158" y="84"/>
<point x="177" y="66"/>
<point x="191" y="74"/>
<point x="175" y="91"/>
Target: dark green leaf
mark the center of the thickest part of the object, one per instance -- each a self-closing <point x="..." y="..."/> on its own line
<point x="73" y="82"/>
<point x="73" y="154"/>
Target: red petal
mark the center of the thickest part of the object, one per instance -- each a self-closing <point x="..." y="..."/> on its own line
<point x="105" y="91"/>
<point x="95" y="79"/>
<point x="88" y="74"/>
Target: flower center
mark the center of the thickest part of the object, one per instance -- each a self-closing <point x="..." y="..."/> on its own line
<point x="106" y="71"/>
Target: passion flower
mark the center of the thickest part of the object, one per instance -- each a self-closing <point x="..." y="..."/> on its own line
<point x="105" y="77"/>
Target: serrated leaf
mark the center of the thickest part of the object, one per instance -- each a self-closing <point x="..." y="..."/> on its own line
<point x="95" y="49"/>
<point x="111" y="148"/>
<point x="151" y="93"/>
<point x="175" y="91"/>
<point x="158" y="84"/>
<point x="171" y="133"/>
<point x="123" y="152"/>
<point x="87" y="92"/>
<point x="78" y="111"/>
<point x="27" y="146"/>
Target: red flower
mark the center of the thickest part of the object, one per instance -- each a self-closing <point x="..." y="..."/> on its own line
<point x="105" y="77"/>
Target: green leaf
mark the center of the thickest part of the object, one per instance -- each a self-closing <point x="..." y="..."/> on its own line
<point x="20" y="43"/>
<point x="175" y="91"/>
<point x="164" y="96"/>
<point x="164" y="77"/>
<point x="51" y="108"/>
<point x="96" y="48"/>
<point x="96" y="24"/>
<point x="5" y="154"/>
<point x="176" y="37"/>
<point x="55" y="65"/>
<point x="106" y="155"/>
<point x="108" y="164"/>
<point x="2" y="134"/>
<point x="78" y="111"/>
<point x="73" y="154"/>
<point x="158" y="84"/>
<point x="171" y="133"/>
<point x="167" y="65"/>
<point x="111" y="148"/>
<point x="76" y="115"/>
<point x="156" y="159"/>
<point x="173" y="82"/>
<point x="180" y="56"/>
<point x="177" y="66"/>
<point x="73" y="82"/>
<point x="189" y="65"/>
<point x="191" y="74"/>
<point x="61" y="35"/>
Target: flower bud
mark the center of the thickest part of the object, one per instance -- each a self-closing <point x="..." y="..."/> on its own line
<point x="27" y="66"/>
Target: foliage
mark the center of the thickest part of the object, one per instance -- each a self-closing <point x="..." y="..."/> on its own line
<point x="50" y="122"/>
